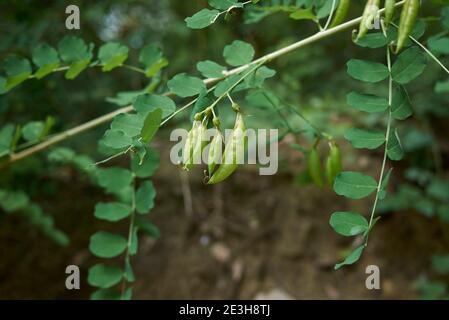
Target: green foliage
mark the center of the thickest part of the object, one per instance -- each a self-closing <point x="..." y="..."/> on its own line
<point x="401" y="108"/>
<point x="348" y="223"/>
<point x="113" y="211"/>
<point x="130" y="133"/>
<point x="206" y="17"/>
<point x="112" y="55"/>
<point x="185" y="86"/>
<point x="18" y="202"/>
<point x="409" y="65"/>
<point x="354" y="185"/>
<point x="129" y="124"/>
<point x="238" y="53"/>
<point x="153" y="58"/>
<point x="114" y="179"/>
<point x="151" y="125"/>
<point x="394" y="147"/>
<point x="352" y="258"/>
<point x="362" y="138"/>
<point x="222" y="4"/>
<point x="202" y="19"/>
<point x="77" y="53"/>
<point x="373" y="40"/>
<point x="297" y="10"/>
<point x="116" y="139"/>
<point x="145" y="197"/>
<point x="46" y="58"/>
<point x="367" y="71"/>
<point x="146" y="103"/>
<point x="435" y="290"/>
<point x="69" y="157"/>
<point x="210" y="69"/>
<point x="131" y="200"/>
<point x="367" y="102"/>
<point x="104" y="276"/>
<point x="6" y="138"/>
<point x="17" y="69"/>
<point x="107" y="245"/>
<point x="147" y="167"/>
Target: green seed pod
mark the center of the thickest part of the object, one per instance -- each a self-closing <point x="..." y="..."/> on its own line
<point x="200" y="143"/>
<point x="215" y="151"/>
<point x="189" y="147"/>
<point x="314" y="167"/>
<point x="340" y="13"/>
<point x="367" y="17"/>
<point x="389" y="12"/>
<point x="234" y="151"/>
<point x="235" y="107"/>
<point x="333" y="163"/>
<point x="409" y="15"/>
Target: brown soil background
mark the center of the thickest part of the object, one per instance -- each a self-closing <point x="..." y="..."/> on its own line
<point x="246" y="237"/>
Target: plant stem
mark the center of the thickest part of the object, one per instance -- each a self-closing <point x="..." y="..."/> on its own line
<point x="112" y="157"/>
<point x="130" y="231"/>
<point x="387" y="137"/>
<point x="183" y="108"/>
<point x="107" y="117"/>
<point x="330" y="15"/>
<point x="133" y="68"/>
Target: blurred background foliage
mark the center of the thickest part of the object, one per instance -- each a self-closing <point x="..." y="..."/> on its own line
<point x="313" y="79"/>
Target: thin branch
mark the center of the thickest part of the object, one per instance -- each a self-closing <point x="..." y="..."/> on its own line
<point x="387" y="139"/>
<point x="133" y="68"/>
<point x="330" y="15"/>
<point x="130" y="233"/>
<point x="107" y="117"/>
<point x="113" y="156"/>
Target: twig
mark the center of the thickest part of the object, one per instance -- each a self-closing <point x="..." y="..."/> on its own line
<point x="107" y="117"/>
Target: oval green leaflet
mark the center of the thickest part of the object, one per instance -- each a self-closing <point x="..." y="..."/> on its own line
<point x="367" y="71"/>
<point x="409" y="65"/>
<point x="348" y="223"/>
<point x="366" y="102"/>
<point x="107" y="245"/>
<point x="352" y="258"/>
<point x="362" y="138"/>
<point x="104" y="276"/>
<point x="151" y="125"/>
<point x="354" y="185"/>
